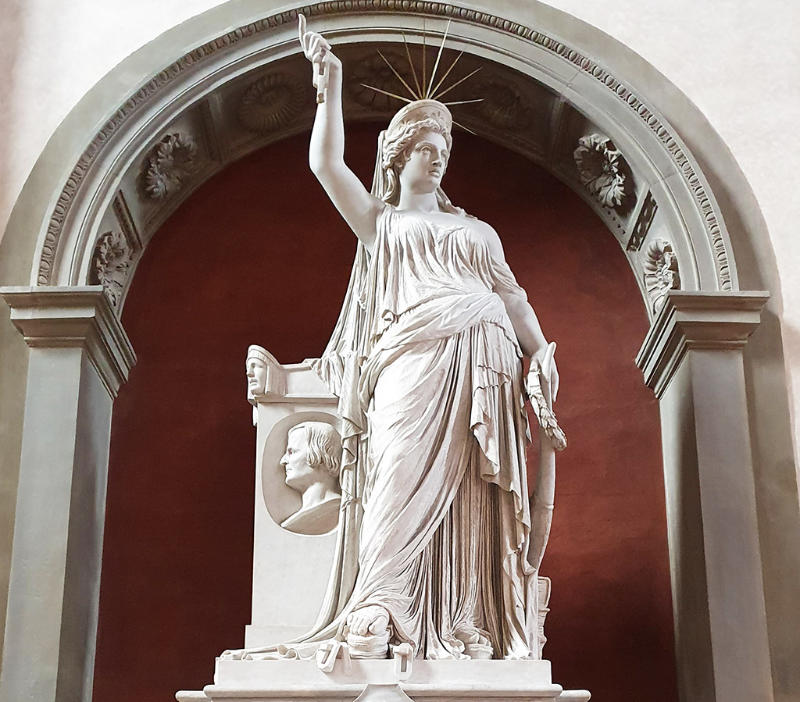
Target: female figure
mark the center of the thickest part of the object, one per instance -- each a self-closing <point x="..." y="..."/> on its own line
<point x="426" y="360"/>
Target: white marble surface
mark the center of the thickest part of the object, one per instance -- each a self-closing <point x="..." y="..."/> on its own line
<point x="311" y="464"/>
<point x="429" y="680"/>
<point x="290" y="570"/>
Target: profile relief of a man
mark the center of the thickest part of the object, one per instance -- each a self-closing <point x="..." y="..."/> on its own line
<point x="311" y="462"/>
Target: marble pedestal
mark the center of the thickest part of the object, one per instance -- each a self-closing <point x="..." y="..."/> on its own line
<point x="378" y="680"/>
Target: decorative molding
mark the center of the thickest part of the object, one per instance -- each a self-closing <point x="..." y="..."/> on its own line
<point x="169" y="164"/>
<point x="126" y="222"/>
<point x="209" y="127"/>
<point x="70" y="317"/>
<point x="111" y="265"/>
<point x="601" y="169"/>
<point x="643" y="219"/>
<point x="270" y="102"/>
<point x="556" y="129"/>
<point x="660" y="272"/>
<point x="149" y="90"/>
<point x="690" y="320"/>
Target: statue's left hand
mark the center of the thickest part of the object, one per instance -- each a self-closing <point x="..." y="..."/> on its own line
<point x="543" y="364"/>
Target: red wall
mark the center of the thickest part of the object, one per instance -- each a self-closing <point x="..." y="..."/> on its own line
<point x="258" y="255"/>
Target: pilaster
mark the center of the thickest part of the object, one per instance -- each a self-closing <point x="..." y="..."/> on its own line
<point x="693" y="360"/>
<point x="79" y="357"/>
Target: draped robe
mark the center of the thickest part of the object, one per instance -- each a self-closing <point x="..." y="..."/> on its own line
<point x="435" y="520"/>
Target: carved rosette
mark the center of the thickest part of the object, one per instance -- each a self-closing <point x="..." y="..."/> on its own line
<point x="156" y="88"/>
<point x="271" y="102"/>
<point x="168" y="165"/>
<point x="503" y="105"/>
<point x="660" y="272"/>
<point x="374" y="71"/>
<point x="601" y="169"/>
<point x="111" y="264"/>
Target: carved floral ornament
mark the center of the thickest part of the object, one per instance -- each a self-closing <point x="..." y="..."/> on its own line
<point x="166" y="79"/>
<point x="270" y="103"/>
<point x="601" y="169"/>
<point x="170" y="162"/>
<point x="111" y="264"/>
<point x="660" y="272"/>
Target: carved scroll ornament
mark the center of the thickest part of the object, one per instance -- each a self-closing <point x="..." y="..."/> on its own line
<point x="660" y="272"/>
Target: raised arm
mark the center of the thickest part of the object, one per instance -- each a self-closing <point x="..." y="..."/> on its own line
<point x="326" y="150"/>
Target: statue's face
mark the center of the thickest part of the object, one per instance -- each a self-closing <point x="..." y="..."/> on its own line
<point x="299" y="474"/>
<point x="426" y="164"/>
<point x="256" y="371"/>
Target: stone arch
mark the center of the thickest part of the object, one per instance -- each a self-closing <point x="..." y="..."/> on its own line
<point x="124" y="154"/>
<point x="79" y="352"/>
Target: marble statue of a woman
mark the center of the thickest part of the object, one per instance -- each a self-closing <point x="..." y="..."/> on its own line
<point x="435" y="534"/>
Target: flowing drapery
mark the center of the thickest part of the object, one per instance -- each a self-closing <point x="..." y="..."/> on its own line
<point x="435" y="520"/>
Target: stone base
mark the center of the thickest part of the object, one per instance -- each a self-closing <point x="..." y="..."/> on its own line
<point x="383" y="681"/>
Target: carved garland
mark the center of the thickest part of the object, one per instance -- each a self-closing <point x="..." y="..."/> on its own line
<point x="334" y="7"/>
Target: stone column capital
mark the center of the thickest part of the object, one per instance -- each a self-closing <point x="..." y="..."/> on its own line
<point x="74" y="317"/>
<point x="694" y="320"/>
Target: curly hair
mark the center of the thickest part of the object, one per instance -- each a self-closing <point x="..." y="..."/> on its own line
<point x="396" y="147"/>
<point x="323" y="445"/>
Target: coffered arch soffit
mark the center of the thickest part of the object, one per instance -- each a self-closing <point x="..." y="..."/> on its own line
<point x="249" y="87"/>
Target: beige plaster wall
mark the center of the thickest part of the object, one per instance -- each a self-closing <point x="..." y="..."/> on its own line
<point x="737" y="60"/>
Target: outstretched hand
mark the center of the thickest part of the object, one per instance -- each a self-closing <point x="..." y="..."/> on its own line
<point x="317" y="50"/>
<point x="314" y="45"/>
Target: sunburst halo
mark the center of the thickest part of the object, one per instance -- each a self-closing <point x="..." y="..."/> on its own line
<point x="427" y="90"/>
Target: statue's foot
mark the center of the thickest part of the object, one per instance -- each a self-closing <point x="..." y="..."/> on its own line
<point x="372" y="619"/>
<point x="368" y="632"/>
<point x="235" y="654"/>
<point x="476" y="641"/>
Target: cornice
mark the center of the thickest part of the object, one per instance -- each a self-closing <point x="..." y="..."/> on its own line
<point x="74" y="317"/>
<point x="151" y="89"/>
<point x="690" y="320"/>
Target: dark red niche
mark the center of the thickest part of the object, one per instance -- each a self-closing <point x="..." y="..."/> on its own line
<point x="259" y="255"/>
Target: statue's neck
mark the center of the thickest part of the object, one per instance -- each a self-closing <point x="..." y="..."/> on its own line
<point x="422" y="202"/>
<point x="316" y="493"/>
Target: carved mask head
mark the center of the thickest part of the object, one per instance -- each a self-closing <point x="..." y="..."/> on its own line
<point x="256" y="370"/>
